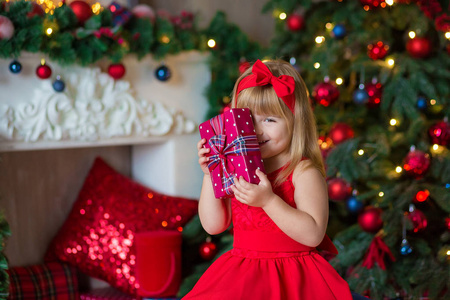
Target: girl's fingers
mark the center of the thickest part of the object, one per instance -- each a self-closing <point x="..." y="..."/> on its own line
<point x="201" y="143"/>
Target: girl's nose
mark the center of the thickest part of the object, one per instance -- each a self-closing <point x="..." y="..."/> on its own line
<point x="258" y="129"/>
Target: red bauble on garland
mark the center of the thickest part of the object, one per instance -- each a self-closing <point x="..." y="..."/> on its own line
<point x="43" y="71"/>
<point x="339" y="189"/>
<point x="6" y="28"/>
<point x="370" y="219"/>
<point x="208" y="250"/>
<point x="325" y="93"/>
<point x="36" y="10"/>
<point x="82" y="10"/>
<point x="295" y="22"/>
<point x="417" y="218"/>
<point x="416" y="163"/>
<point x="370" y="4"/>
<point x="243" y="66"/>
<point x="340" y="132"/>
<point x="419" y="47"/>
<point x="374" y="90"/>
<point x="116" y="71"/>
<point x="439" y="133"/>
<point x="377" y="50"/>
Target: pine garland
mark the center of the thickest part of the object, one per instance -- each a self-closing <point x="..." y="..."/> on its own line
<point x="4" y="278"/>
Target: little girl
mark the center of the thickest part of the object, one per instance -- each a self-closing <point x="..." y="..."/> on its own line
<point x="278" y="223"/>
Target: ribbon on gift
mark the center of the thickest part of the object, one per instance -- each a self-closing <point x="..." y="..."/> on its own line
<point x="241" y="145"/>
<point x="376" y="253"/>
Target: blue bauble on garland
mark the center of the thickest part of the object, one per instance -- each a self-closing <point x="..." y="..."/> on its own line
<point x="339" y="31"/>
<point x="15" y="67"/>
<point x="59" y="85"/>
<point x="163" y="73"/>
<point x="405" y="248"/>
<point x="360" y="96"/>
<point x="422" y="103"/>
<point x="353" y="205"/>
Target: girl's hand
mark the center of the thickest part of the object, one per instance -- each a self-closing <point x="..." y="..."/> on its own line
<point x="258" y="195"/>
<point x="203" y="158"/>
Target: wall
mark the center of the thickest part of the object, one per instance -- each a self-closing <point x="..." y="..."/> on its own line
<point x="246" y="14"/>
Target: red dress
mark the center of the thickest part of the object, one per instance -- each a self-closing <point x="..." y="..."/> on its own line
<point x="266" y="264"/>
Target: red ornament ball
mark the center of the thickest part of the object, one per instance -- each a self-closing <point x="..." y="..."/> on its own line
<point x="377" y="50"/>
<point x="144" y="11"/>
<point x="36" y="10"/>
<point x="339" y="189"/>
<point x="419" y="47"/>
<point x="82" y="10"/>
<point x="43" y="71"/>
<point x="374" y="90"/>
<point x="418" y="219"/>
<point x="439" y="133"/>
<point x="416" y="163"/>
<point x="370" y="219"/>
<point x="340" y="132"/>
<point x="295" y="22"/>
<point x="208" y="250"/>
<point x="116" y="71"/>
<point x="325" y="93"/>
<point x="243" y="66"/>
<point x="6" y="28"/>
<point x="447" y="223"/>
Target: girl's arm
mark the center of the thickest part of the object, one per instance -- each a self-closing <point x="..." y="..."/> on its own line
<point x="215" y="214"/>
<point x="307" y="223"/>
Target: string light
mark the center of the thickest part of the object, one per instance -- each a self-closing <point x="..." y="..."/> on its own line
<point x="422" y="196"/>
<point x="361" y="152"/>
<point x="390" y="62"/>
<point x="380" y="194"/>
<point x="96" y="8"/>
<point x="282" y="16"/>
<point x="49" y="31"/>
<point x="447" y="35"/>
<point x="317" y="65"/>
<point x="329" y="26"/>
<point x="211" y="43"/>
<point x="437" y="149"/>
<point x="412" y="34"/>
<point x="393" y="122"/>
<point x="165" y="39"/>
<point x="320" y="39"/>
<point x="339" y="81"/>
<point x="432" y="101"/>
<point x="398" y="169"/>
<point x="390" y="2"/>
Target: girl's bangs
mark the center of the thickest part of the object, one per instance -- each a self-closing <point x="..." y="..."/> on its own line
<point x="261" y="101"/>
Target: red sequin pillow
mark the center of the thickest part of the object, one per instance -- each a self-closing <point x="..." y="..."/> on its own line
<point x="98" y="234"/>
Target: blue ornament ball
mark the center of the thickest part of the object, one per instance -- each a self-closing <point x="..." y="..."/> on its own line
<point x="59" y="85"/>
<point x="163" y="73"/>
<point x="360" y="96"/>
<point x="339" y="31"/>
<point x="353" y="205"/>
<point x="422" y="103"/>
<point x="405" y="248"/>
<point x="15" y="67"/>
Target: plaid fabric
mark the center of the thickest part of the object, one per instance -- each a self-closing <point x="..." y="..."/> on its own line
<point x="52" y="280"/>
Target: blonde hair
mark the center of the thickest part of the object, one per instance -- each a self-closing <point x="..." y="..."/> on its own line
<point x="302" y="129"/>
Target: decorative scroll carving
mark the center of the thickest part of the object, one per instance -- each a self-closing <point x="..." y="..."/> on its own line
<point x="92" y="107"/>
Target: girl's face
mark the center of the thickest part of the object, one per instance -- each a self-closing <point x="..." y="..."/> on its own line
<point x="273" y="138"/>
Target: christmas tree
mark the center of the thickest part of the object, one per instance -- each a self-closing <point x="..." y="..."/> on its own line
<point x="378" y="73"/>
<point x="4" y="277"/>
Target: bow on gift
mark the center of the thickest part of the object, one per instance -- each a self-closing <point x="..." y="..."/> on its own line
<point x="241" y="145"/>
<point x="283" y="85"/>
<point x="376" y="252"/>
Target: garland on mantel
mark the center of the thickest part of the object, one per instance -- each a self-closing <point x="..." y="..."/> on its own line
<point x="69" y="35"/>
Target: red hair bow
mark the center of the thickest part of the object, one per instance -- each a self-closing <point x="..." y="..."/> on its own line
<point x="283" y="85"/>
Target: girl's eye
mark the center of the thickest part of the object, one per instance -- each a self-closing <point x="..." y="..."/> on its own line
<point x="269" y="120"/>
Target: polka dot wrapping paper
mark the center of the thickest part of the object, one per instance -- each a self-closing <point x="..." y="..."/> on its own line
<point x="234" y="148"/>
<point x="98" y="235"/>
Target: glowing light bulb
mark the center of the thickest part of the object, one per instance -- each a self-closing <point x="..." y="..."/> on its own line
<point x="211" y="43"/>
<point x="390" y="2"/>
<point x="393" y="122"/>
<point x="390" y="62"/>
<point x="412" y="34"/>
<point x="329" y="26"/>
<point x="96" y="8"/>
<point x="360" y="151"/>
<point x="339" y="81"/>
<point x="49" y="31"/>
<point x="380" y="194"/>
<point x="447" y="35"/>
<point x="282" y="16"/>
<point x="432" y="101"/>
<point x="165" y="39"/>
<point x="320" y="39"/>
<point x="317" y="65"/>
<point x="398" y="169"/>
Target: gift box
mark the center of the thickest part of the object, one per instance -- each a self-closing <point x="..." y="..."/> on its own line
<point x="234" y="148"/>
